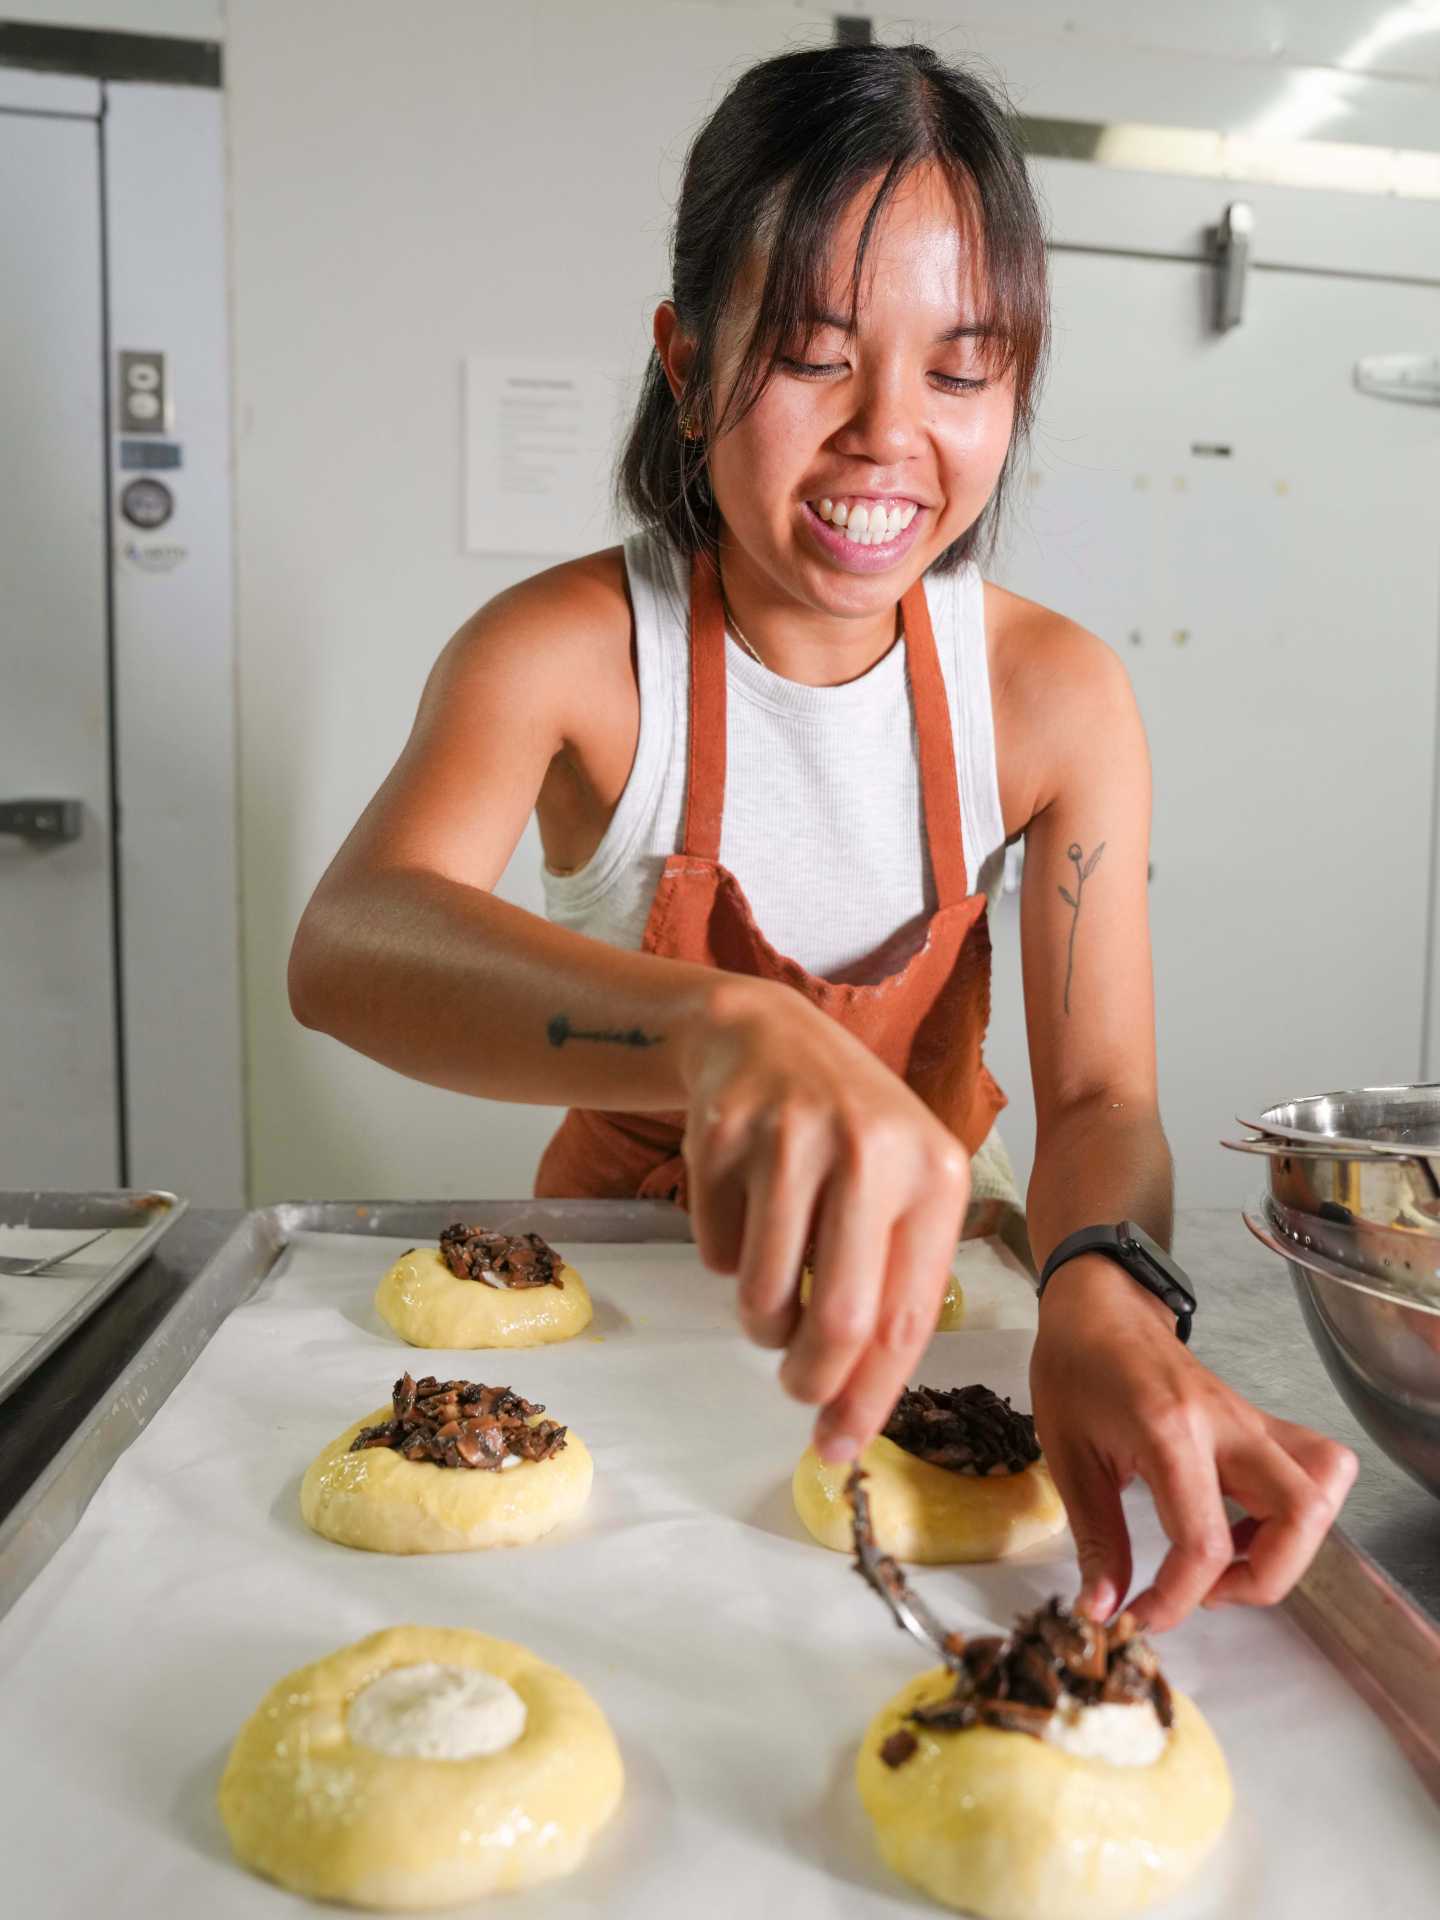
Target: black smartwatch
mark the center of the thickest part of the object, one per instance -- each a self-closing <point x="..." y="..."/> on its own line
<point x="1146" y="1262"/>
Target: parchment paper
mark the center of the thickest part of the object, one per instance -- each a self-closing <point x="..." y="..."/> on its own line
<point x="738" y="1662"/>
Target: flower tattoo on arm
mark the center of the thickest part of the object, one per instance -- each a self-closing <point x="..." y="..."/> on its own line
<point x="1083" y="870"/>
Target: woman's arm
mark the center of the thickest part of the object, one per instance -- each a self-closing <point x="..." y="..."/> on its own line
<point x="404" y="952"/>
<point x="1115" y="1392"/>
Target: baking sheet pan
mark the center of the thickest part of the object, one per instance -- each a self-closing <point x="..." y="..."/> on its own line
<point x="738" y="1661"/>
<point x="38" y="1311"/>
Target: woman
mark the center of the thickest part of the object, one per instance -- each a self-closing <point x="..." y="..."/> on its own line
<point x="767" y="994"/>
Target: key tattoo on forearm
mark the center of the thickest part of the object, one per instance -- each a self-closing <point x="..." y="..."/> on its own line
<point x="559" y="1031"/>
<point x="1083" y="870"/>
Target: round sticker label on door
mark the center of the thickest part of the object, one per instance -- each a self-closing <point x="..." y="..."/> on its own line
<point x="147" y="503"/>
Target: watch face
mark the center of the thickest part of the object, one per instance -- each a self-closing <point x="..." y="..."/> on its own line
<point x="1135" y="1237"/>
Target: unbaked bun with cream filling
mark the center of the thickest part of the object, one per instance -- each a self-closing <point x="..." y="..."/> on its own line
<point x="1049" y="1775"/>
<point x="421" y="1767"/>
<point x="957" y="1475"/>
<point x="483" y="1289"/>
<point x="450" y="1465"/>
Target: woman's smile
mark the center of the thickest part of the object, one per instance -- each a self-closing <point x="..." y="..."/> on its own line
<point x="865" y="553"/>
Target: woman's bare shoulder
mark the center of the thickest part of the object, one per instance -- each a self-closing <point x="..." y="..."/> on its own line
<point x="1026" y="640"/>
<point x="1051" y="681"/>
<point x="562" y="637"/>
<point x="583" y="602"/>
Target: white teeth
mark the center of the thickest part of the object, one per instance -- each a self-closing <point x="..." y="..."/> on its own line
<point x="867" y="526"/>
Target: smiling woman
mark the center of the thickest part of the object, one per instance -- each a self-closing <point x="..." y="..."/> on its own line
<point x="776" y="743"/>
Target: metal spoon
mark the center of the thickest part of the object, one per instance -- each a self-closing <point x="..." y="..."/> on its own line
<point x="19" y="1268"/>
<point x="879" y="1571"/>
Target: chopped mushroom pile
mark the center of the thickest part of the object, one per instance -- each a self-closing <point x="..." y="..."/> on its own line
<point x="1054" y="1660"/>
<point x="963" y="1429"/>
<point x="1018" y="1681"/>
<point x="459" y="1423"/>
<point x="500" y="1259"/>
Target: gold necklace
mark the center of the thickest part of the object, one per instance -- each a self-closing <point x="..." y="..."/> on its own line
<point x="734" y="627"/>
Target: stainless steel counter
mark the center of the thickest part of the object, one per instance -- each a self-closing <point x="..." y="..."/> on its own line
<point x="1249" y="1330"/>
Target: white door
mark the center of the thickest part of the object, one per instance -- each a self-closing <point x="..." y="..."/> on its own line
<point x="1261" y="543"/>
<point x="59" y="1095"/>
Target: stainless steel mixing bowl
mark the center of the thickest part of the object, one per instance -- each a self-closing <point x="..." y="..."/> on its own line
<point x="1381" y="1350"/>
<point x="1403" y="1120"/>
<point x="1371" y="1155"/>
<point x="1404" y="1260"/>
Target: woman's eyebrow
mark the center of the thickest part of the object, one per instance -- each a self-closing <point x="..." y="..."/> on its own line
<point x="962" y="330"/>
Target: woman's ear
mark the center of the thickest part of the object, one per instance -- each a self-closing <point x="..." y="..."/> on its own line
<point x="674" y="346"/>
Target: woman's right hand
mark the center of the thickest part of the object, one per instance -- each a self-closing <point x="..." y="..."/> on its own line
<point x="795" y="1130"/>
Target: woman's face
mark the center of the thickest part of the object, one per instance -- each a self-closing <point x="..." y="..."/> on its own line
<point x="908" y="420"/>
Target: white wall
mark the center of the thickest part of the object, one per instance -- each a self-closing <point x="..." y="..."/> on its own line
<point x="183" y="19"/>
<point x="410" y="189"/>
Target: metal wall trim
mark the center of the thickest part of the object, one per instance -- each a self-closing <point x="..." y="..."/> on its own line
<point x="1256" y="266"/>
<point x="1327" y="165"/>
<point x="111" y="56"/>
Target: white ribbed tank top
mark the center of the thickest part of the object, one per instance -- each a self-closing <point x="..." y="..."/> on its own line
<point x="823" y="823"/>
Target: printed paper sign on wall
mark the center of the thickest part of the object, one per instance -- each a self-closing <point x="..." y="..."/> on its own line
<point x="540" y="439"/>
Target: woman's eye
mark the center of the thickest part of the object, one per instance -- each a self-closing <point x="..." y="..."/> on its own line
<point x="816" y="370"/>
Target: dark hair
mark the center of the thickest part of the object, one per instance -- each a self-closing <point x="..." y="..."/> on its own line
<point x="776" y="163"/>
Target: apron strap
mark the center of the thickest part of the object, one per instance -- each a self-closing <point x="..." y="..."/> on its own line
<point x="705" y="772"/>
<point x="939" y="781"/>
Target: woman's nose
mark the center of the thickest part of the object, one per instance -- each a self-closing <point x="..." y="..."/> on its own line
<point x="886" y="421"/>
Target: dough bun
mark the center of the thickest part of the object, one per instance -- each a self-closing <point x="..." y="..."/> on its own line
<point x="1007" y="1827"/>
<point x="380" y="1500"/>
<point x="426" y="1305"/>
<point x="928" y="1514"/>
<point x="333" y="1820"/>
<point x="952" y="1307"/>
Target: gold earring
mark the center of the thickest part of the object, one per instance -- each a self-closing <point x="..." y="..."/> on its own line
<point x="688" y="425"/>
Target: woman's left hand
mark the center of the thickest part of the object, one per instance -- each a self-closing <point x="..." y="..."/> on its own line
<point x="1115" y="1394"/>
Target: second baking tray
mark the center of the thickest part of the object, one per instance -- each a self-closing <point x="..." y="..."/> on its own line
<point x="38" y="1312"/>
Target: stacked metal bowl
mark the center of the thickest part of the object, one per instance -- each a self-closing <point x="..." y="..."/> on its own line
<point x="1353" y="1208"/>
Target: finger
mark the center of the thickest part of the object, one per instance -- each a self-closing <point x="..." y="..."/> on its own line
<point x="713" y="1149"/>
<point x="1330" y="1465"/>
<point x="916" y="1273"/>
<point x="852" y="1249"/>
<point x="1289" y="1516"/>
<point x="1091" y="1493"/>
<point x="780" y="1206"/>
<point x="1180" y="1470"/>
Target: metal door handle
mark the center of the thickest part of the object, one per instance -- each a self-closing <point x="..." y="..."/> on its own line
<point x="42" y="819"/>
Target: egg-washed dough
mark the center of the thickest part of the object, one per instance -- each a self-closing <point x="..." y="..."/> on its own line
<point x="1008" y="1827"/>
<point x="952" y="1307"/>
<point x="380" y="1500"/>
<point x="927" y="1514"/>
<point x="333" y="1820"/>
<point x="426" y="1305"/>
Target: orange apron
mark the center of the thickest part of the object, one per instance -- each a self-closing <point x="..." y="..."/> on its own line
<point x="926" y="1022"/>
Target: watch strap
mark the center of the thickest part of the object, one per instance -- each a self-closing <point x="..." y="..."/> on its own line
<point x="1126" y="1244"/>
